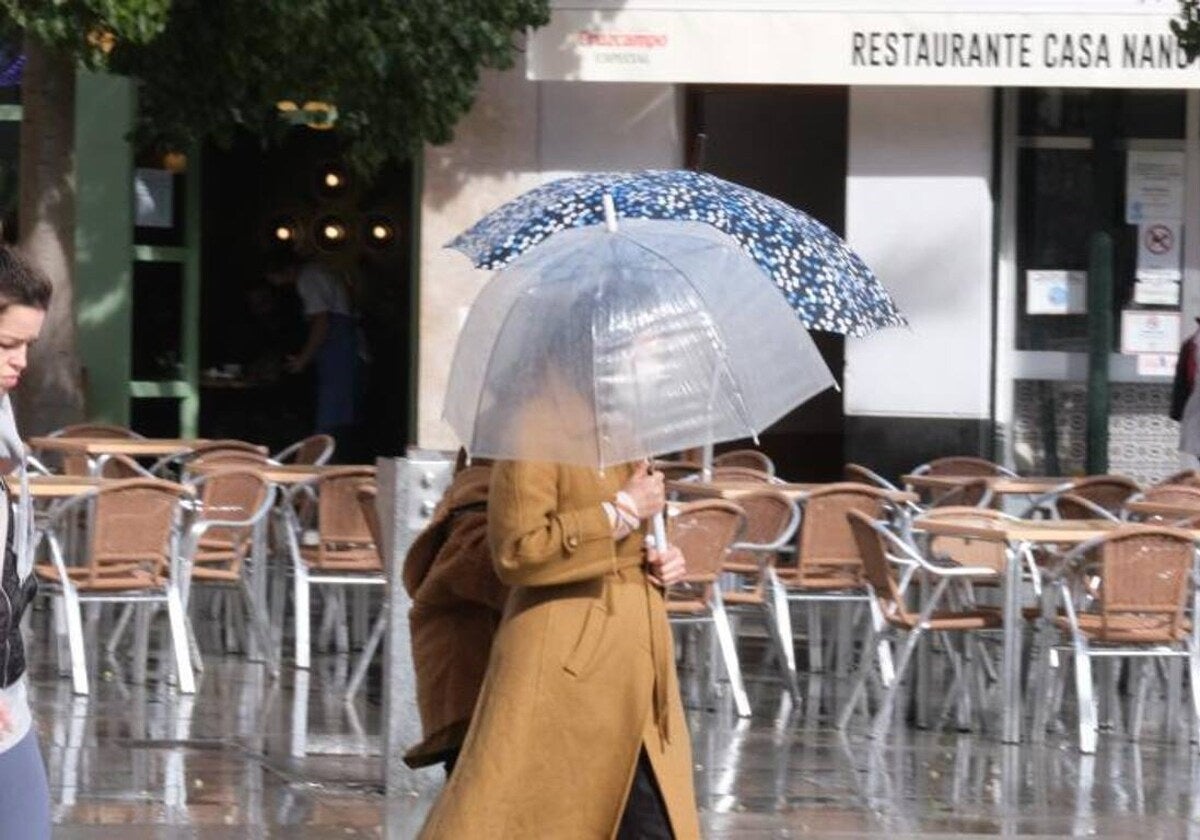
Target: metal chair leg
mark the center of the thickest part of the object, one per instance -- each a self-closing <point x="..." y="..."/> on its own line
<point x="816" y="662"/>
<point x="179" y="640"/>
<point x="368" y="653"/>
<point x="883" y="717"/>
<point x="74" y="618"/>
<point x="864" y="672"/>
<point x="118" y="630"/>
<point x="780" y="612"/>
<point x="261" y="627"/>
<point x="1087" y="699"/>
<point x="300" y="603"/>
<point x="729" y="654"/>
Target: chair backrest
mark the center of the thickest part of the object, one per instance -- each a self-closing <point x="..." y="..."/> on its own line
<point x="703" y="531"/>
<point x="876" y="568"/>
<point x="769" y="515"/>
<point x="746" y="474"/>
<point x="366" y="495"/>
<point x="132" y="526"/>
<point x="314" y="449"/>
<point x="961" y="465"/>
<point x="968" y="551"/>
<point x="865" y="475"/>
<point x="970" y="492"/>
<point x="1183" y="477"/>
<point x="95" y="430"/>
<point x="340" y="519"/>
<point x="77" y="463"/>
<point x="231" y="494"/>
<point x="121" y="466"/>
<point x="824" y="536"/>
<point x="1109" y="492"/>
<point x="752" y="458"/>
<point x="673" y="470"/>
<point x="1181" y="495"/>
<point x="1146" y="572"/>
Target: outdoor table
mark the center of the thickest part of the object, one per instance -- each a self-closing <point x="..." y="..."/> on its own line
<point x="62" y="486"/>
<point x="1000" y="485"/>
<point x="133" y="447"/>
<point x="733" y="490"/>
<point x="1018" y="534"/>
<point x="1164" y="510"/>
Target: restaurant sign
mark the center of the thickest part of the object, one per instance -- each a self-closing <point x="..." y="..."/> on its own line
<point x="1052" y="43"/>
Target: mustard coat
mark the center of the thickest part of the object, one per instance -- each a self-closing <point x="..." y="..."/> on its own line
<point x="581" y="677"/>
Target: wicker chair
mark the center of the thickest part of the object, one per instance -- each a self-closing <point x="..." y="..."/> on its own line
<point x="314" y="449"/>
<point x="827" y="566"/>
<point x="1183" y="497"/>
<point x="367" y="495"/>
<point x="1094" y="497"/>
<point x="704" y="531"/>
<point x="675" y="470"/>
<point x="211" y="452"/>
<point x="972" y="492"/>
<point x="771" y="522"/>
<point x="962" y="465"/>
<point x="1124" y="593"/>
<point x="865" y="475"/>
<point x="747" y="475"/>
<point x="233" y="503"/>
<point x="78" y="463"/>
<point x="345" y="552"/>
<point x="751" y="458"/>
<point x="881" y="552"/>
<point x="131" y="556"/>
<point x="1185" y="477"/>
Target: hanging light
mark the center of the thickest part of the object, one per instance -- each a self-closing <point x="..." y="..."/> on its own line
<point x="283" y="230"/>
<point x="331" y="179"/>
<point x="380" y="232"/>
<point x="331" y="232"/>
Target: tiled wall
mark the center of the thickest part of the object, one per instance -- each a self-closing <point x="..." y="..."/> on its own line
<point x="1142" y="440"/>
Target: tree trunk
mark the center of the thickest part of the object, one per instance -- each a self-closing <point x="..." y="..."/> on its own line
<point x="51" y="393"/>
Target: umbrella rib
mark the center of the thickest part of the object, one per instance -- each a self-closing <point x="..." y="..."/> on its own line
<point x="714" y="334"/>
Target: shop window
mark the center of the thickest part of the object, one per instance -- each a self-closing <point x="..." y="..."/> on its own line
<point x="1057" y="170"/>
<point x="157" y="322"/>
<point x="155" y="416"/>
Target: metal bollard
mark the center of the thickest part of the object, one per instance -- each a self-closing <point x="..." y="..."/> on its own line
<point x="409" y="490"/>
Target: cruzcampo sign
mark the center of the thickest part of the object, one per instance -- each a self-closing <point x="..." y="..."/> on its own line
<point x="1038" y="43"/>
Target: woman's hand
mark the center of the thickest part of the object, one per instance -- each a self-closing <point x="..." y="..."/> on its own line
<point x="667" y="567"/>
<point x="646" y="490"/>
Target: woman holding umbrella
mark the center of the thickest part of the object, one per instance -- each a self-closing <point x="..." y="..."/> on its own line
<point x="579" y="730"/>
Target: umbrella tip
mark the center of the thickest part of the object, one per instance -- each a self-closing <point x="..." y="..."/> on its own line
<point x="610" y="213"/>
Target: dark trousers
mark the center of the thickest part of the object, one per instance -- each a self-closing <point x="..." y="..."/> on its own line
<point x="645" y="816"/>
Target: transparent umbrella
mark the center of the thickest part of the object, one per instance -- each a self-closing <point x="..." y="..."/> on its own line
<point x="605" y="345"/>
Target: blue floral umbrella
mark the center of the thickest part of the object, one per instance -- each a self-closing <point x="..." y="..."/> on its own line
<point x="827" y="284"/>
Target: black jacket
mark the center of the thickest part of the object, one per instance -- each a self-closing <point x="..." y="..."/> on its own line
<point x="15" y="596"/>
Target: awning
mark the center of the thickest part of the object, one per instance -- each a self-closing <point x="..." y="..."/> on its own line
<point x="1031" y="43"/>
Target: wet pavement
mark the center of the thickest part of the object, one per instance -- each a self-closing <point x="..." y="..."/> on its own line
<point x="142" y="762"/>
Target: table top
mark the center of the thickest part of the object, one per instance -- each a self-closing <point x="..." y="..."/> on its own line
<point x="280" y="473"/>
<point x="733" y="490"/>
<point x="1062" y="531"/>
<point x="1162" y="509"/>
<point x="63" y="486"/>
<point x="1000" y="485"/>
<point x="116" y="446"/>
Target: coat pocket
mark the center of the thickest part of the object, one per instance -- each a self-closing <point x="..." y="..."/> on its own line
<point x="582" y="655"/>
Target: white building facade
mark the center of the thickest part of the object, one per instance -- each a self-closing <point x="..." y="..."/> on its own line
<point x="953" y="144"/>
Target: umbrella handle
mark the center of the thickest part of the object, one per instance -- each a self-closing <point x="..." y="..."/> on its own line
<point x="660" y="531"/>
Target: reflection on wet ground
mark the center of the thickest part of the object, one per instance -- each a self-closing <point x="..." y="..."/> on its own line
<point x="141" y="762"/>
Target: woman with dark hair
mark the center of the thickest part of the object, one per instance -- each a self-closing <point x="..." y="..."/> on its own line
<point x="24" y="793"/>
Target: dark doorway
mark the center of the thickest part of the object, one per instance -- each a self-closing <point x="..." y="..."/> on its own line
<point x="788" y="142"/>
<point x="259" y="203"/>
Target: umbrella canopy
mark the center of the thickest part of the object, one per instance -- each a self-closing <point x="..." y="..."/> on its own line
<point x="602" y="347"/>
<point x="827" y="284"/>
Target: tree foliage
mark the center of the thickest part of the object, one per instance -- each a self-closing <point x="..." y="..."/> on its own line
<point x="86" y="29"/>
<point x="399" y="72"/>
<point x="1187" y="27"/>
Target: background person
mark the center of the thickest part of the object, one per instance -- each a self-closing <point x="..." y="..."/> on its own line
<point x="24" y="793"/>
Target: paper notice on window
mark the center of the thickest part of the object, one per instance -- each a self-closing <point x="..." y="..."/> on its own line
<point x="1052" y="292"/>
<point x="1154" y="187"/>
<point x="1156" y="292"/>
<point x="1156" y="364"/>
<point x="1149" y="331"/>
